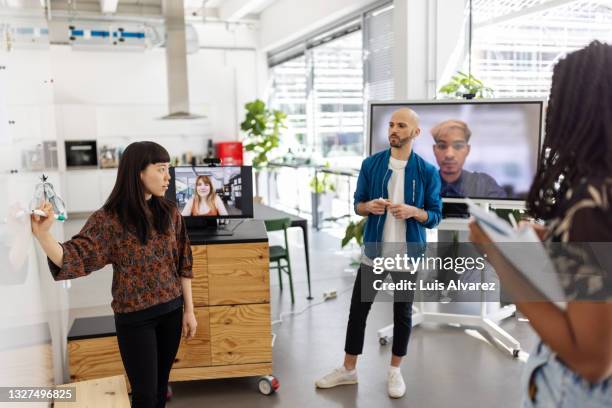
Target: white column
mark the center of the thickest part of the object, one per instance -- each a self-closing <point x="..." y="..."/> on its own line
<point x="409" y="57"/>
<point x="426" y="36"/>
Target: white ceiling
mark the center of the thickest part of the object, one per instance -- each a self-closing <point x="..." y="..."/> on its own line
<point x="230" y="10"/>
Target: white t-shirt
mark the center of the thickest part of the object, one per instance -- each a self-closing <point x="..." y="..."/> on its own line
<point x="394" y="230"/>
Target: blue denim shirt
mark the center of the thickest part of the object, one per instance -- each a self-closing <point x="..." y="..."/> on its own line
<point x="372" y="183"/>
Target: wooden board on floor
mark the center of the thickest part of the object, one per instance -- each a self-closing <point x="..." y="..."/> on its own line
<point x="101" y="392"/>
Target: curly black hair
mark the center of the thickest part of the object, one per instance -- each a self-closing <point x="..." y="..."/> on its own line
<point x="578" y="141"/>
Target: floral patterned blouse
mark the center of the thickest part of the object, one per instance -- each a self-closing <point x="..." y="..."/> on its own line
<point x="143" y="275"/>
<point x="580" y="242"/>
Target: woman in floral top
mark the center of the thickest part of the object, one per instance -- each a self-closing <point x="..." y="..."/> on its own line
<point x="572" y="364"/>
<point x="143" y="236"/>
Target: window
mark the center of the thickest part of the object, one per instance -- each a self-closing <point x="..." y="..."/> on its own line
<point x="323" y="84"/>
<point x="337" y="95"/>
<point x="288" y="94"/>
<point x="516" y="43"/>
<point x="378" y="50"/>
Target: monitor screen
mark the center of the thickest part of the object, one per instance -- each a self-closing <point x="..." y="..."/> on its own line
<point x="212" y="192"/>
<point x="483" y="149"/>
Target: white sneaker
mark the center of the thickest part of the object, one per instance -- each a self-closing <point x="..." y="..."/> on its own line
<point x="339" y="376"/>
<point x="395" y="384"/>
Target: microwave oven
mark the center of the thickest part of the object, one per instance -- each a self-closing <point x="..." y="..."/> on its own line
<point x="81" y="153"/>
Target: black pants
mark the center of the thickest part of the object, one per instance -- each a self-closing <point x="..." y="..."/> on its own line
<point x="148" y="349"/>
<point x="361" y="302"/>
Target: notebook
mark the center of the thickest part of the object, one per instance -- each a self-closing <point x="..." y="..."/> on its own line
<point x="529" y="256"/>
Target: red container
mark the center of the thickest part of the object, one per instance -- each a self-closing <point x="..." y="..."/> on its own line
<point x="230" y="153"/>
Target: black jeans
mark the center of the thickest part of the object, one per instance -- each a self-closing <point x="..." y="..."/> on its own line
<point x="148" y="349"/>
<point x="361" y="302"/>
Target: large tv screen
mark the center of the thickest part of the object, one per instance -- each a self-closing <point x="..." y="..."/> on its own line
<point x="212" y="192"/>
<point x="483" y="149"/>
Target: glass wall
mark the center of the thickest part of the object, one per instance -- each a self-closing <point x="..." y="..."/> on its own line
<point x="33" y="308"/>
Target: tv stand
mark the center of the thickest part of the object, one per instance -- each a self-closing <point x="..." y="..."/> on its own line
<point x="486" y="320"/>
<point x="209" y="227"/>
<point x="455" y="210"/>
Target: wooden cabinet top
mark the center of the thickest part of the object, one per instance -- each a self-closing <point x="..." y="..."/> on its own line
<point x="243" y="231"/>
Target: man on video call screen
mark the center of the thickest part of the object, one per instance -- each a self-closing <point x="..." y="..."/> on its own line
<point x="451" y="148"/>
<point x="481" y="149"/>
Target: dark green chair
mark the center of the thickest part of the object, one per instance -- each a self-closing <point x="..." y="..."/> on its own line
<point x="279" y="253"/>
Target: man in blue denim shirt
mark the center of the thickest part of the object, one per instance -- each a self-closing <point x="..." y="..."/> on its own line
<point x="399" y="192"/>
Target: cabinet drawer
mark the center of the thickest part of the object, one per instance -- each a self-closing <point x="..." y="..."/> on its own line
<point x="199" y="283"/>
<point x="94" y="358"/>
<point x="238" y="274"/>
<point x="196" y="352"/>
<point x="240" y="334"/>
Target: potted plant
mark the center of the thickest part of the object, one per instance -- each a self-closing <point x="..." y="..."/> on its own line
<point x="322" y="186"/>
<point x="465" y="86"/>
<point x="354" y="232"/>
<point x="263" y="128"/>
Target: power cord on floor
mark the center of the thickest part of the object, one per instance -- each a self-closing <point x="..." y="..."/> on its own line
<point x="326" y="296"/>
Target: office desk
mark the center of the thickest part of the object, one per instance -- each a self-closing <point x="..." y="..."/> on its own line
<point x="349" y="174"/>
<point x="263" y="212"/>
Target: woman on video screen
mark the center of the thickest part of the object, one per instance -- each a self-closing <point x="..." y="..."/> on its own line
<point x="205" y="201"/>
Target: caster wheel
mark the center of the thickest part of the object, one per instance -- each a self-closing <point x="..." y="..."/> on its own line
<point x="515" y="353"/>
<point x="383" y="341"/>
<point x="169" y="393"/>
<point x="268" y="385"/>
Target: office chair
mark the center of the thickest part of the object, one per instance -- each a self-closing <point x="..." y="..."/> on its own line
<point x="278" y="253"/>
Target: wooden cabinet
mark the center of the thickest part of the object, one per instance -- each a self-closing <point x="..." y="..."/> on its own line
<point x="240" y="334"/>
<point x="231" y="292"/>
<point x="238" y="274"/>
<point x="196" y="352"/>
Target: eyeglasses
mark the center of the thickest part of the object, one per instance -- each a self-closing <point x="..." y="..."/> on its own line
<point x="456" y="146"/>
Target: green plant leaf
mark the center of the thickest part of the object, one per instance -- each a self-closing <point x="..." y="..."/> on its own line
<point x="354" y="231"/>
<point x="462" y="83"/>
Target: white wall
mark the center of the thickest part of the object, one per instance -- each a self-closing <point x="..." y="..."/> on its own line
<point x="119" y="97"/>
<point x="113" y="95"/>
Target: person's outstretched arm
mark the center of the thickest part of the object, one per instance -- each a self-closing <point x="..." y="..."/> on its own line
<point x="41" y="227"/>
<point x="86" y="252"/>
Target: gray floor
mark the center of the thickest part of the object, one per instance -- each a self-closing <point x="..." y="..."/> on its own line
<point x="445" y="366"/>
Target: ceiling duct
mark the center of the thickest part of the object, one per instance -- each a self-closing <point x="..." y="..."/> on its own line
<point x="176" y="61"/>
